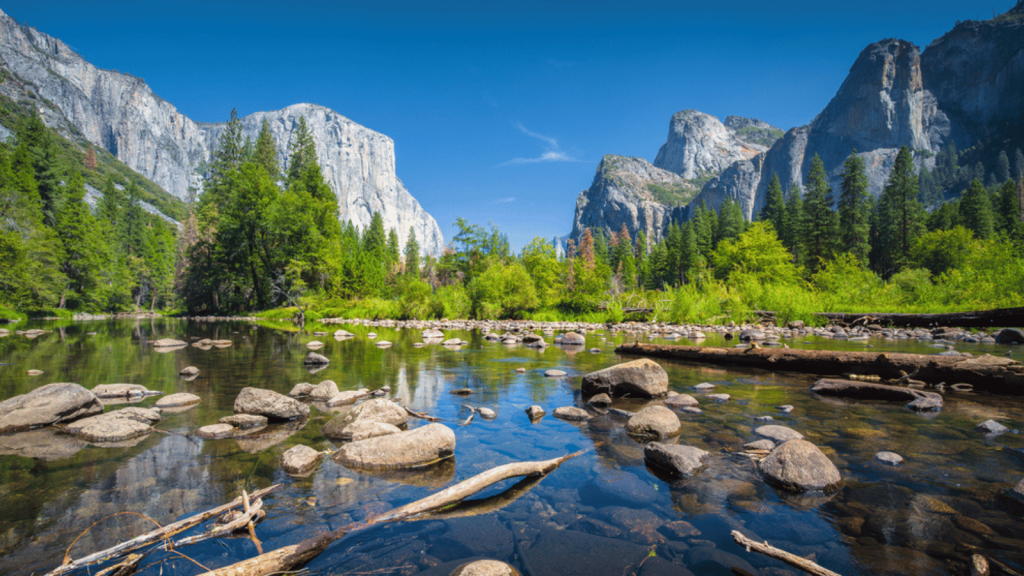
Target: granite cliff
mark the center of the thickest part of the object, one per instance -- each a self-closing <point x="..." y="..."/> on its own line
<point x="120" y="113"/>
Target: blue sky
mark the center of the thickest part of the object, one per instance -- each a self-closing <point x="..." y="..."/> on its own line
<point x="500" y="111"/>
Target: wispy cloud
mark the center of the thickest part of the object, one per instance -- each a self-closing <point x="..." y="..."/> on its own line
<point x="553" y="152"/>
<point x="505" y="200"/>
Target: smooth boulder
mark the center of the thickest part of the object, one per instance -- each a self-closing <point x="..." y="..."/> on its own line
<point x="270" y="404"/>
<point x="301" y="389"/>
<point x="188" y="371"/>
<point x="573" y="339"/>
<point x="363" y="429"/>
<point x="677" y="460"/>
<point x="571" y="413"/>
<point x="213" y="431"/>
<point x="799" y="466"/>
<point x="178" y="400"/>
<point x="324" y="391"/>
<point x="678" y="401"/>
<point x="653" y="421"/>
<point x="643" y="378"/>
<point x="417" y="447"/>
<point x="376" y="410"/>
<point x="50" y="404"/>
<point x="300" y="459"/>
<point x="169" y="343"/>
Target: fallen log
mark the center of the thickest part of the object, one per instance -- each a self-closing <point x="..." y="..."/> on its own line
<point x="779" y="554"/>
<point x="988" y="373"/>
<point x="154" y="536"/>
<point x="288" y="558"/>
<point x="999" y="317"/>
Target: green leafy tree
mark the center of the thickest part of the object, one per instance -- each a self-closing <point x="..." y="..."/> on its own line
<point x="542" y="265"/>
<point x="855" y="210"/>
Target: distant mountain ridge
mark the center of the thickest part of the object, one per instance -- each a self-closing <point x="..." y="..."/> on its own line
<point x="121" y="114"/>
<point x="966" y="87"/>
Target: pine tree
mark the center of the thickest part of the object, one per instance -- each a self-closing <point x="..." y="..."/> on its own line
<point x="265" y="153"/>
<point x="412" y="255"/>
<point x="1002" y="167"/>
<point x="1018" y="164"/>
<point x="303" y="150"/>
<point x="393" y="251"/>
<point x="820" y="225"/>
<point x="626" y="261"/>
<point x="929" y="193"/>
<point x="731" y="222"/>
<point x="642" y="262"/>
<point x="1008" y="215"/>
<point x="855" y="210"/>
<point x="375" y="238"/>
<point x="901" y="217"/>
<point x="774" y="209"/>
<point x="793" y="224"/>
<point x="83" y="248"/>
<point x="704" y="225"/>
<point x="689" y="256"/>
<point x="976" y="210"/>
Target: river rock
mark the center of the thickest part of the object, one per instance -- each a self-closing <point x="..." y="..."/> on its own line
<point x="573" y="339"/>
<point x="571" y="413"/>
<point x="120" y="391"/>
<point x="270" y="404"/>
<point x="324" y="391"/>
<point x="785" y="408"/>
<point x="573" y="553"/>
<point x="751" y="334"/>
<point x="554" y="373"/>
<point x="778" y="434"/>
<point x="704" y="386"/>
<point x="49" y="404"/>
<point x="1018" y="490"/>
<point x="1010" y="336"/>
<point x="991" y="427"/>
<point x="245" y="421"/>
<point x="799" y="466"/>
<point x="763" y="444"/>
<point x="219" y="430"/>
<point x="678" y="401"/>
<point x="300" y="459"/>
<point x="643" y="378"/>
<point x="486" y="413"/>
<point x="720" y="397"/>
<point x="363" y="429"/>
<point x="301" y="389"/>
<point x="600" y="400"/>
<point x="917" y="400"/>
<point x="314" y="359"/>
<point x="432" y="334"/>
<point x="314" y="345"/>
<point x="376" y="410"/>
<point x="656" y="421"/>
<point x="706" y="560"/>
<point x="535" y="413"/>
<point x="890" y="458"/>
<point x="416" y="447"/>
<point x="178" y="400"/>
<point x="348" y="397"/>
<point x="116" y="426"/>
<point x="188" y="371"/>
<point x="677" y="460"/>
<point x="485" y="568"/>
<point x="169" y="343"/>
<point x="342" y="334"/>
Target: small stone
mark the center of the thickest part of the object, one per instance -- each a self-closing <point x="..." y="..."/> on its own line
<point x="270" y="404"/>
<point x="34" y="372"/>
<point x="890" y="458"/>
<point x="1018" y="490"/>
<point x="245" y="421"/>
<point x="314" y="359"/>
<point x="778" y="434"/>
<point x="301" y="389"/>
<point x="169" y="343"/>
<point x="704" y="386"/>
<point x="799" y="466"/>
<point x="763" y="444"/>
<point x="461" y="391"/>
<point x="216" y="431"/>
<point x="991" y="427"/>
<point x="785" y="408"/>
<point x="485" y="568"/>
<point x="520" y="370"/>
<point x="487" y="413"/>
<point x="677" y="401"/>
<point x="600" y="400"/>
<point x="677" y="460"/>
<point x="315" y="345"/>
<point x="189" y="371"/>
<point x="764" y="418"/>
<point x="554" y="373"/>
<point x="535" y="413"/>
<point x="324" y="391"/>
<point x="383" y="344"/>
<point x="571" y="413"/>
<point x="300" y="459"/>
<point x="573" y="339"/>
<point x="719" y="397"/>
<point x="178" y="400"/>
<point x="656" y="421"/>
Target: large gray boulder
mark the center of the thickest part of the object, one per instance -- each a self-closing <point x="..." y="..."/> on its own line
<point x="654" y="421"/>
<point x="377" y="410"/>
<point x="799" y="466"/>
<point x="418" y="447"/>
<point x="1010" y="336"/>
<point x="641" y="378"/>
<point x="573" y="339"/>
<point x="677" y="460"/>
<point x="50" y="404"/>
<point x="270" y="404"/>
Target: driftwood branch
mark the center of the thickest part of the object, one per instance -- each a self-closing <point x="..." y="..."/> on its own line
<point x="153" y="536"/>
<point x="773" y="552"/>
<point x="421" y="415"/>
<point x="988" y="373"/>
<point x="288" y="558"/>
<point x="254" y="512"/>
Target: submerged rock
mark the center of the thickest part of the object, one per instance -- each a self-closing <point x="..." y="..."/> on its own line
<point x="600" y="400"/>
<point x="799" y="466"/>
<point x="991" y="427"/>
<point x="178" y="400"/>
<point x="270" y="404"/>
<point x="643" y="378"/>
<point x="116" y="426"/>
<point x="676" y="460"/>
<point x="376" y="410"/>
<point x="890" y="458"/>
<point x="417" y="447"/>
<point x="778" y="434"/>
<point x="46" y="444"/>
<point x="656" y="421"/>
<point x="300" y="459"/>
<point x="219" y="430"/>
<point x="918" y="400"/>
<point x="245" y="421"/>
<point x="571" y="413"/>
<point x="49" y="404"/>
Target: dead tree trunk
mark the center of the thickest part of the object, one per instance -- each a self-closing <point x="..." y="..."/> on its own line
<point x="989" y="373"/>
<point x="1000" y="317"/>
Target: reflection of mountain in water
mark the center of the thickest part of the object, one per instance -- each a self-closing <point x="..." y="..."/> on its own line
<point x="424" y="391"/>
<point x="165" y="482"/>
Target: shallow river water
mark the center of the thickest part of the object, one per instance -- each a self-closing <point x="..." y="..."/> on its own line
<point x="603" y="512"/>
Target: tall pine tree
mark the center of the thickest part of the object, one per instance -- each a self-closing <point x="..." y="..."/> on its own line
<point x="855" y="210"/>
<point x="774" y="209"/>
<point x="820" y="225"/>
<point x="900" y="219"/>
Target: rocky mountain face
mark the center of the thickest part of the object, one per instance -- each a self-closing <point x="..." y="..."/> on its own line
<point x="120" y="113"/>
<point x="633" y="192"/>
<point x="964" y="88"/>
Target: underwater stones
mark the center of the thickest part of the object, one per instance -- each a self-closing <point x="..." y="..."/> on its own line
<point x="778" y="434"/>
<point x="300" y="459"/>
<point x="535" y="413"/>
<point x="179" y="400"/>
<point x="417" y="447"/>
<point x="49" y="404"/>
<point x="653" y="421"/>
<point x="1018" y="490"/>
<point x="376" y="410"/>
<point x="991" y="427"/>
<point x="245" y="421"/>
<point x="890" y="458"/>
<point x="570" y="413"/>
<point x="213" y="431"/>
<point x="270" y="404"/>
<point x="188" y="371"/>
<point x="677" y="401"/>
<point x="485" y="568"/>
<point x="799" y="466"/>
<point x="314" y="359"/>
<point x="641" y="378"/>
<point x="677" y="460"/>
<point x="324" y="391"/>
<point x="573" y="339"/>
